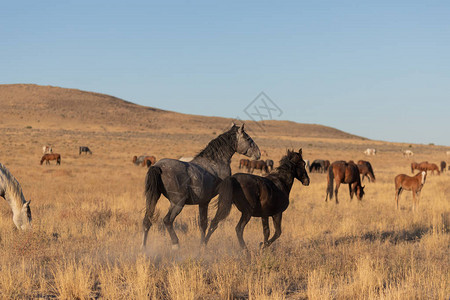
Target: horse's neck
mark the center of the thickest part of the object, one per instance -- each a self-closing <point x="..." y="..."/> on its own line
<point x="284" y="179"/>
<point x="14" y="203"/>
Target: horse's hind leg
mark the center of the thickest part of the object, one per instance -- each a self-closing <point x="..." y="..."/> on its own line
<point x="240" y="229"/>
<point x="336" y="190"/>
<point x="203" y="213"/>
<point x="351" y="190"/>
<point x="277" y="224"/>
<point x="266" y="231"/>
<point x="173" y="212"/>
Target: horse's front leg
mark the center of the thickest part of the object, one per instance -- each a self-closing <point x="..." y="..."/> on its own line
<point x="351" y="190"/>
<point x="203" y="222"/>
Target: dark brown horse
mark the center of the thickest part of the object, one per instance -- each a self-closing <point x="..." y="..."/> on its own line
<point x="51" y="156"/>
<point x="343" y="172"/>
<point x="443" y="166"/>
<point x="259" y="165"/>
<point x="244" y="163"/>
<point x="413" y="184"/>
<point x="319" y="166"/>
<point x="365" y="169"/>
<point x="257" y="196"/>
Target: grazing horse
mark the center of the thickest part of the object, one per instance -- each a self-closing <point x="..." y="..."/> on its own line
<point x="259" y="165"/>
<point x="47" y="149"/>
<point x="195" y="182"/>
<point x="269" y="164"/>
<point x="244" y="163"/>
<point x="408" y="153"/>
<point x="343" y="172"/>
<point x="443" y="166"/>
<point x="11" y="191"/>
<point x="257" y="196"/>
<point x="432" y="167"/>
<point x="149" y="161"/>
<point x="319" y="166"/>
<point x="413" y="184"/>
<point x="85" y="149"/>
<point x="365" y="169"/>
<point x="370" y="151"/>
<point x="53" y="156"/>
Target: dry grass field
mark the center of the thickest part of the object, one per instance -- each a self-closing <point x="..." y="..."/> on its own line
<point x="87" y="213"/>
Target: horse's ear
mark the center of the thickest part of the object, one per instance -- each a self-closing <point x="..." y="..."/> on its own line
<point x="300" y="151"/>
<point x="232" y="125"/>
<point x="242" y="127"/>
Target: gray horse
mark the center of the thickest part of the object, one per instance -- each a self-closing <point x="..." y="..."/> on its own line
<point x="194" y="182"/>
<point x="12" y="192"/>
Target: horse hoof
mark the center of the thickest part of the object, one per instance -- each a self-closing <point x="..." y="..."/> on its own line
<point x="175" y="247"/>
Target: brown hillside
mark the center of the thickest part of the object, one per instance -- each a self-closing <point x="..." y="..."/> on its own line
<point x="54" y="107"/>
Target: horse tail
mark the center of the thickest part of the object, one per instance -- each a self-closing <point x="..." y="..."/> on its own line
<point x="58" y="160"/>
<point x="226" y="190"/>
<point x="153" y="189"/>
<point x="330" y="183"/>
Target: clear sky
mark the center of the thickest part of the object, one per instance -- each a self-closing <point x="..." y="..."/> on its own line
<point x="378" y="69"/>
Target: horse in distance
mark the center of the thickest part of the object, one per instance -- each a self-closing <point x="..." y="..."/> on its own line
<point x="47" y="149"/>
<point x="256" y="196"/>
<point x="258" y="165"/>
<point x="243" y="163"/>
<point x="413" y="184"/>
<point x="366" y="170"/>
<point x="53" y="156"/>
<point x="343" y="172"/>
<point x="370" y="151"/>
<point x="11" y="191"/>
<point x="432" y="167"/>
<point x="269" y="164"/>
<point x="149" y="161"/>
<point x="443" y="166"/>
<point x="85" y="149"/>
<point x="408" y="153"/>
<point x="195" y="182"/>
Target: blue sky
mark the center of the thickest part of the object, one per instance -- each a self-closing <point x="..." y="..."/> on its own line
<point x="378" y="69"/>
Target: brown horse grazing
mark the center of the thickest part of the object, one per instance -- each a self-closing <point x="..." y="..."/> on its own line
<point x="432" y="167"/>
<point x="443" y="166"/>
<point x="51" y="156"/>
<point x="343" y="172"/>
<point x="257" y="196"/>
<point x="414" y="184"/>
<point x="244" y="163"/>
<point x="149" y="161"/>
<point x="259" y="165"/>
<point x="422" y="166"/>
<point x="365" y="169"/>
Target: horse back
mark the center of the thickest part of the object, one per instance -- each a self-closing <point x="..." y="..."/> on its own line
<point x="259" y="193"/>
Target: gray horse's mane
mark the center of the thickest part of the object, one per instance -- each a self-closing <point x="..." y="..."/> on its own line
<point x="11" y="185"/>
<point x="221" y="146"/>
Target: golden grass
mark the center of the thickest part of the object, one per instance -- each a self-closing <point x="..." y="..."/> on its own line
<point x="87" y="216"/>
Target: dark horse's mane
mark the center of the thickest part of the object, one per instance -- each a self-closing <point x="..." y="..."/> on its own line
<point x="221" y="146"/>
<point x="286" y="165"/>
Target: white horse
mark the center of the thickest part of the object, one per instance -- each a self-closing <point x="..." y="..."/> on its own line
<point x="370" y="151"/>
<point x="12" y="192"/>
<point x="408" y="153"/>
<point x="47" y="149"/>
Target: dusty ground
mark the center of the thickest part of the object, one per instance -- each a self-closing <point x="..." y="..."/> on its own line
<point x="87" y="213"/>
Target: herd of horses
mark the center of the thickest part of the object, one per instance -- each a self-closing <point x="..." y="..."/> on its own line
<point x="49" y="155"/>
<point x="199" y="179"/>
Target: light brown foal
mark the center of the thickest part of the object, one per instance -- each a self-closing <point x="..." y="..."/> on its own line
<point x="414" y="184"/>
